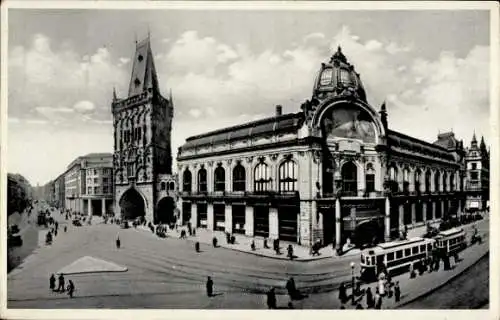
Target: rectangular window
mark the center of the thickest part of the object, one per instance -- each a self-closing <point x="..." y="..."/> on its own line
<point x="473" y="166"/>
<point x="370" y="183"/>
<point x="89" y="190"/>
<point x="407" y="252"/>
<point x="422" y="248"/>
<point x="473" y="175"/>
<point x="96" y="190"/>
<point x="414" y="250"/>
<point x="390" y="256"/>
<point x="399" y="254"/>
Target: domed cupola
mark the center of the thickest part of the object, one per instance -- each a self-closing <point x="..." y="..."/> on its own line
<point x="338" y="78"/>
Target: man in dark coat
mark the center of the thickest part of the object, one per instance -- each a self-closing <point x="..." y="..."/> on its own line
<point x="210" y="287"/>
<point x="271" y="299"/>
<point x="397" y="292"/>
<point x="290" y="287"/>
<point x="369" y="298"/>
<point x="61" y="283"/>
<point x="118" y="243"/>
<point x="71" y="288"/>
<point x="342" y="293"/>
<point x="52" y="282"/>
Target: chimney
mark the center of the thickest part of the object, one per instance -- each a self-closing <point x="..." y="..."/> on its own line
<point x="279" y="109"/>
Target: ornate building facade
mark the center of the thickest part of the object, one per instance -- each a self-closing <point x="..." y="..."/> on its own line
<point x="332" y="171"/>
<point x="142" y="159"/>
<point x="477" y="162"/>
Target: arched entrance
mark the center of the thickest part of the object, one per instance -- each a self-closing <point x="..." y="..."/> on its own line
<point x="132" y="205"/>
<point x="349" y="179"/>
<point x="165" y="211"/>
<point x="369" y="232"/>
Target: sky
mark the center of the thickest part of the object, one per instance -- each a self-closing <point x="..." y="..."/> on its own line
<point x="228" y="67"/>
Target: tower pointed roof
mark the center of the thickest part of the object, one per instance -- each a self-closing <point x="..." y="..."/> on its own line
<point x="144" y="75"/>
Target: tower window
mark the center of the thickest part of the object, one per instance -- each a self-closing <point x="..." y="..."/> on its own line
<point x="140" y="58"/>
<point x="137" y="82"/>
<point x="326" y="77"/>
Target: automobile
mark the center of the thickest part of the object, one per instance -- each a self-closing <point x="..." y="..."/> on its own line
<point x="14" y="240"/>
<point x="14" y="229"/>
<point x="77" y="222"/>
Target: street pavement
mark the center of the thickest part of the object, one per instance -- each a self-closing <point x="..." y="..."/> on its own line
<point x="168" y="273"/>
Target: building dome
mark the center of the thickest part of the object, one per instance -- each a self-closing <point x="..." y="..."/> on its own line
<point x="338" y="78"/>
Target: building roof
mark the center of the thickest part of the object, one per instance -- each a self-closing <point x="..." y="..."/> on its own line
<point x="400" y="140"/>
<point x="143" y="70"/>
<point x="447" y="140"/>
<point x="273" y="125"/>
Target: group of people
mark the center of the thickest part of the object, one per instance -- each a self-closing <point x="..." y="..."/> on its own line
<point x="70" y="289"/>
<point x="385" y="288"/>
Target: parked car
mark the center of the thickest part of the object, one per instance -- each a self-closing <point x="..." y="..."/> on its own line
<point x="77" y="222"/>
<point x="14" y="240"/>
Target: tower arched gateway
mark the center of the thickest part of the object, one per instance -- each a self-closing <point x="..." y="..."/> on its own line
<point x="142" y="125"/>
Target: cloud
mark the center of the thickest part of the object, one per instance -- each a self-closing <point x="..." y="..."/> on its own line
<point x="195" y="113"/>
<point x="43" y="73"/>
<point x="36" y="121"/>
<point x="373" y="45"/>
<point x="84" y="106"/>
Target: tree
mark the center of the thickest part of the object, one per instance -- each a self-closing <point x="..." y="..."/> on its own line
<point x="19" y="193"/>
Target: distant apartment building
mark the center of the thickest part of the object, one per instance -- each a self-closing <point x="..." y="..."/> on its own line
<point x="88" y="184"/>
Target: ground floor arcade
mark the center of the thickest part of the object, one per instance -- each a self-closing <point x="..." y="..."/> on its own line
<point x="92" y="206"/>
<point x="360" y="220"/>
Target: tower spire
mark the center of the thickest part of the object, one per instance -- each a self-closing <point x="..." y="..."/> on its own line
<point x="144" y="75"/>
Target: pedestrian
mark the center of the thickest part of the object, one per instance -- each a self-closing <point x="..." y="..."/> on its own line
<point x="378" y="300"/>
<point x="271" y="299"/>
<point x="290" y="287"/>
<point x="342" y="293"/>
<point x="61" y="283"/>
<point x="214" y="242"/>
<point x="252" y="245"/>
<point x="65" y="228"/>
<point x="265" y="244"/>
<point x="197" y="246"/>
<point x="210" y="287"/>
<point x="369" y="298"/>
<point x="290" y="251"/>
<point x="118" y="243"/>
<point x="52" y="282"/>
<point x="71" y="288"/>
<point x="397" y="292"/>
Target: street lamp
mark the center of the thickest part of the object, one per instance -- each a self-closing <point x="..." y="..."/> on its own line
<point x="353" y="289"/>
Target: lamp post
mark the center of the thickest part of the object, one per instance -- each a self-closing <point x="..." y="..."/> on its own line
<point x="353" y="288"/>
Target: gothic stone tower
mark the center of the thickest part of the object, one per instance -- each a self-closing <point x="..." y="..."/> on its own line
<point x="142" y="156"/>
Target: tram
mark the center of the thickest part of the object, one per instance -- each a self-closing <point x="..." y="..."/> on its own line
<point x="394" y="257"/>
<point x="450" y="242"/>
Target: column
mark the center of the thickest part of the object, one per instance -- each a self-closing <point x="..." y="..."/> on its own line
<point x="210" y="216"/>
<point x="424" y="211"/>
<point x="89" y="207"/>
<point x="273" y="223"/>
<point x="433" y="210"/>
<point x="459" y="209"/>
<point x="413" y="215"/>
<point x="442" y="209"/>
<point x="387" y="234"/>
<point x="353" y="218"/>
<point x="228" y="218"/>
<point x="298" y="227"/>
<point x="338" y="220"/>
<point x="103" y="206"/>
<point x="401" y="215"/>
<point x="194" y="215"/>
<point x="249" y="221"/>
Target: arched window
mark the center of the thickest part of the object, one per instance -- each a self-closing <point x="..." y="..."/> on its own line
<point x="418" y="175"/>
<point x="202" y="180"/>
<point x="288" y="176"/>
<point x="428" y="181"/>
<point x="186" y="181"/>
<point x="239" y="180"/>
<point x="349" y="179"/>
<point x="261" y="177"/>
<point x="172" y="186"/>
<point x="163" y="186"/>
<point x="370" y="178"/>
<point x="220" y="179"/>
<point x="392" y="174"/>
<point x="445" y="181"/>
<point x="406" y="180"/>
<point x="436" y="181"/>
<point x="453" y="187"/>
